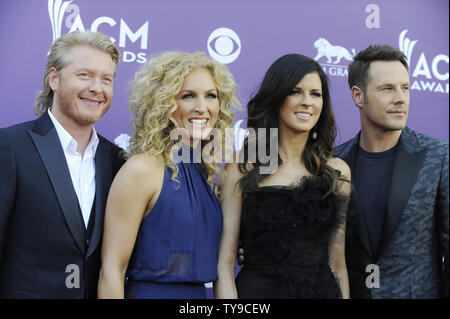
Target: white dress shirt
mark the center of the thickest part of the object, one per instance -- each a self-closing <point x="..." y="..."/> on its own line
<point x="81" y="167"/>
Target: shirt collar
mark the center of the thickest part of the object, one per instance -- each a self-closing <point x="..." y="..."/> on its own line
<point x="68" y="143"/>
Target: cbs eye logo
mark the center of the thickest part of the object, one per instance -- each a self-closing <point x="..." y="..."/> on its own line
<point x="224" y="45"/>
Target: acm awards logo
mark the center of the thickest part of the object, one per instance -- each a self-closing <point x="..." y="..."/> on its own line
<point x="333" y="54"/>
<point x="425" y="76"/>
<point x="73" y="22"/>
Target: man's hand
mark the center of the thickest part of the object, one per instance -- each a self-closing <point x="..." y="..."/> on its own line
<point x="240" y="255"/>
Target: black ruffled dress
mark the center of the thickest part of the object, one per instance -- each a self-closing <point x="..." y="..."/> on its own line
<point x="285" y="232"/>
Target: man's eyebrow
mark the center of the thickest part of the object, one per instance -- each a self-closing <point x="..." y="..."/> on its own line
<point x="91" y="71"/>
<point x="392" y="84"/>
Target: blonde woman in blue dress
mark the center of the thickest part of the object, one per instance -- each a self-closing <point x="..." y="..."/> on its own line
<point x="163" y="220"/>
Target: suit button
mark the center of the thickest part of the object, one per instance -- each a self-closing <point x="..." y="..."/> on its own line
<point x="87" y="241"/>
<point x="293" y="226"/>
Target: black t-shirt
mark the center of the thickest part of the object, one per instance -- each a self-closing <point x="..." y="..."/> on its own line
<point x="372" y="179"/>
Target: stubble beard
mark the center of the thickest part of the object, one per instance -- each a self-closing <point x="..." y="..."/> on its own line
<point x="80" y="116"/>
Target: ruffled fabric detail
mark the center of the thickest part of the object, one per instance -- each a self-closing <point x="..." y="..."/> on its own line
<point x="285" y="232"/>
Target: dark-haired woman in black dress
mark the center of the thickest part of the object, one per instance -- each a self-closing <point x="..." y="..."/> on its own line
<point x="291" y="221"/>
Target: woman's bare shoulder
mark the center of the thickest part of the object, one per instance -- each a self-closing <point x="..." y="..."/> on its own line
<point x="341" y="166"/>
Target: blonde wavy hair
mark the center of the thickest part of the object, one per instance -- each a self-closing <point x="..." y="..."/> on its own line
<point x="153" y="103"/>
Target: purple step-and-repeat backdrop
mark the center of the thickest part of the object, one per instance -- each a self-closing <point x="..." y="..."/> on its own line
<point x="246" y="35"/>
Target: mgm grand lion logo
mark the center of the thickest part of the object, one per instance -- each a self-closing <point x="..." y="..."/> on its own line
<point x="325" y="48"/>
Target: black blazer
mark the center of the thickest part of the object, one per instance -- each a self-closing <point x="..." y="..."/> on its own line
<point x="414" y="247"/>
<point x="43" y="240"/>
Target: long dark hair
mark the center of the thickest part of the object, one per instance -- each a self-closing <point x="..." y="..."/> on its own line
<point x="263" y="112"/>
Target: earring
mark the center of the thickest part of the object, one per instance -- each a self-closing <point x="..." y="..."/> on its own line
<point x="314" y="135"/>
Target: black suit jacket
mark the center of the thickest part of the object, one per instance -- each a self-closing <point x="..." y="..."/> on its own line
<point x="44" y="248"/>
<point x="414" y="247"/>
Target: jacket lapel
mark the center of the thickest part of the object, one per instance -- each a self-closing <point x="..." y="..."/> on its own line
<point x="49" y="147"/>
<point x="103" y="180"/>
<point x="354" y="208"/>
<point x="408" y="162"/>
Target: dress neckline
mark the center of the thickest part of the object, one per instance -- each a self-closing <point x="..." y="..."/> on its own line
<point x="292" y="185"/>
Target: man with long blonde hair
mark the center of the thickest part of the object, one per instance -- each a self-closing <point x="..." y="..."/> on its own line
<point x="55" y="176"/>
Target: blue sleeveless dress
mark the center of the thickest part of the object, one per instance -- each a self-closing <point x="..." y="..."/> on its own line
<point x="177" y="246"/>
